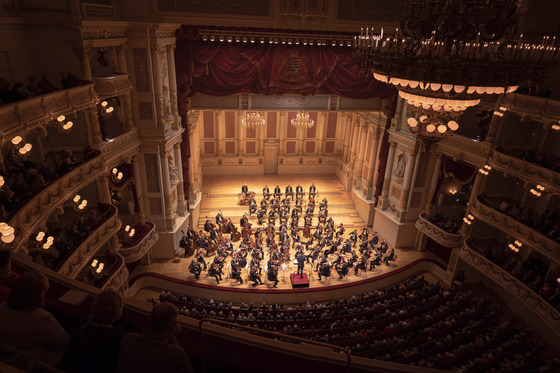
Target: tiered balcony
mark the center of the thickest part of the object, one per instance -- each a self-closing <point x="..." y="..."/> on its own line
<point x="127" y="143"/>
<point x="438" y="234"/>
<point x="482" y="209"/>
<point x="112" y="86"/>
<point x="550" y="315"/>
<point x="89" y="246"/>
<point x="536" y="108"/>
<point x="31" y="215"/>
<point x="525" y="171"/>
<point x="135" y="250"/>
<point x="35" y="112"/>
<point x="118" y="274"/>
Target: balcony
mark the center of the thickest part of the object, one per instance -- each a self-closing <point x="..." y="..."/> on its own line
<point x="139" y="247"/>
<point x="465" y="149"/>
<point x="31" y="215"/>
<point x="438" y="234"/>
<point x="112" y="86"/>
<point x="482" y="209"/>
<point x="525" y="171"/>
<point x="34" y="112"/>
<point x="125" y="144"/>
<point x="539" y="109"/>
<point x="118" y="274"/>
<point x="550" y="315"/>
<point x="89" y="246"/>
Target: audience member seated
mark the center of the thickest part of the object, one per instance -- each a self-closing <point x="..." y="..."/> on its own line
<point x="96" y="345"/>
<point x="26" y="326"/>
<point x="156" y="350"/>
<point x="7" y="276"/>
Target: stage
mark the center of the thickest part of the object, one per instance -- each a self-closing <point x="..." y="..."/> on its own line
<point x="221" y="193"/>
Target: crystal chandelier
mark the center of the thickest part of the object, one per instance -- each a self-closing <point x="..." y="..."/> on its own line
<point x="448" y="54"/>
<point x="253" y="120"/>
<point x="302" y="120"/>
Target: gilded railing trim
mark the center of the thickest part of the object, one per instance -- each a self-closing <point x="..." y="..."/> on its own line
<point x="118" y="278"/>
<point x="136" y="252"/>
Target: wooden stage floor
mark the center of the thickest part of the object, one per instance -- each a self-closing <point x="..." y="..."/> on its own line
<point x="220" y="192"/>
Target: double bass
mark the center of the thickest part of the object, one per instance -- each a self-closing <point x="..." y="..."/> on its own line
<point x="307" y="230"/>
<point x="235" y="235"/>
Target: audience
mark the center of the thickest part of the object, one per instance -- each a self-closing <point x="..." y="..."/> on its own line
<point x="26" y="326"/>
<point x="156" y="350"/>
<point x="13" y="92"/>
<point x="7" y="276"/>
<point x="95" y="347"/>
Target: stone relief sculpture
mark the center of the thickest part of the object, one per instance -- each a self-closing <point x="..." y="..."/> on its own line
<point x="401" y="165"/>
<point x="173" y="172"/>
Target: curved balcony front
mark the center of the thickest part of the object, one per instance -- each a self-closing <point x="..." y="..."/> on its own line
<point x="525" y="171"/>
<point x="483" y="210"/>
<point x="137" y="249"/>
<point x="441" y="236"/>
<point x="523" y="293"/>
<point x="28" y="114"/>
<point x="112" y="86"/>
<point x="89" y="246"/>
<point x="543" y="110"/>
<point x="31" y="215"/>
<point x="118" y="275"/>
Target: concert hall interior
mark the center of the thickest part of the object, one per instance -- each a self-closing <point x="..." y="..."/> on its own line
<point x="358" y="185"/>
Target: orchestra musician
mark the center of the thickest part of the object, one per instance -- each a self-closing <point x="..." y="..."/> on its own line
<point x="200" y="256"/>
<point x="260" y="215"/>
<point x="277" y="191"/>
<point x="325" y="270"/>
<point x="236" y="271"/>
<point x="271" y="218"/>
<point x="299" y="191"/>
<point x="195" y="269"/>
<point x="243" y="220"/>
<point x="340" y="231"/>
<point x="208" y="225"/>
<point x="360" y="265"/>
<point x="324" y="203"/>
<point x="272" y="274"/>
<point x="289" y="191"/>
<point x="185" y="243"/>
<point x="342" y="268"/>
<point x="214" y="271"/>
<point x="244" y="190"/>
<point x="220" y="219"/>
<point x="252" y="205"/>
<point x="266" y="192"/>
<point x="254" y="276"/>
<point x="312" y="190"/>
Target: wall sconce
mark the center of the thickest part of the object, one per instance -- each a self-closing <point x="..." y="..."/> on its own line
<point x="106" y="109"/>
<point x="515" y="246"/>
<point x="453" y="191"/>
<point x="2" y="182"/>
<point x="116" y="175"/>
<point x="97" y="266"/>
<point x="7" y="233"/>
<point x="23" y="150"/>
<point x="46" y="244"/>
<point x="538" y="191"/>
<point x="62" y="125"/>
<point x="468" y="219"/>
<point x="80" y="206"/>
<point x="484" y="170"/>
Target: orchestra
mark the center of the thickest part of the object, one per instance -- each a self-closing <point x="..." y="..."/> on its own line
<point x="327" y="246"/>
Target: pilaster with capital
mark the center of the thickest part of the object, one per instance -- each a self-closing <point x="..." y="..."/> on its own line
<point x="494" y="129"/>
<point x="93" y="126"/>
<point x="433" y="183"/>
<point x="358" y="168"/>
<point x="156" y="50"/>
<point x="384" y="199"/>
<point x="103" y="189"/>
<point x="354" y="146"/>
<point x="180" y="190"/>
<point x="347" y="138"/>
<point x="164" y="159"/>
<point x="85" y="54"/>
<point x="220" y="127"/>
<point x="410" y="165"/>
<point x="139" y="190"/>
<point x="241" y="134"/>
<point x="369" y="182"/>
<point x="321" y="124"/>
<point x="172" y="83"/>
<point x="121" y="57"/>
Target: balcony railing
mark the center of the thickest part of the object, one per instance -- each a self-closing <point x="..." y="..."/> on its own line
<point x="112" y="86"/>
<point x="466" y="149"/>
<point x="87" y="249"/>
<point x="526" y="171"/>
<point x="438" y="234"/>
<point x="482" y="210"/>
<point x="30" y="216"/>
<point x="540" y="109"/>
<point x="524" y="294"/>
<point x="127" y="143"/>
<point x="137" y="251"/>
<point x="118" y="278"/>
<point x="27" y="114"/>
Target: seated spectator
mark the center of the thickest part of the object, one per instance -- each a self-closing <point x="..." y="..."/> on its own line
<point x="47" y="172"/>
<point x="45" y="85"/>
<point x="7" y="276"/>
<point x="33" y="86"/>
<point x="156" y="350"/>
<point x="504" y="205"/>
<point x="96" y="345"/>
<point x="26" y="326"/>
<point x="17" y="93"/>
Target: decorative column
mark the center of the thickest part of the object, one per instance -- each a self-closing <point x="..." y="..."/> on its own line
<point x="414" y="176"/>
<point x="164" y="154"/>
<point x="103" y="189"/>
<point x="260" y="142"/>
<point x="138" y="186"/>
<point x="282" y="123"/>
<point x="240" y="133"/>
<point x="93" y="127"/>
<point x="194" y="138"/>
<point x="85" y="54"/>
<point x="172" y="84"/>
<point x="301" y="135"/>
<point x="494" y="129"/>
<point x="354" y="145"/>
<point x="477" y="187"/>
<point x="121" y="58"/>
<point x="321" y="124"/>
<point x="127" y="101"/>
<point x="410" y="166"/>
<point x="384" y="199"/>
<point x="180" y="190"/>
<point x="369" y="182"/>
<point x="347" y="138"/>
<point x="358" y="168"/>
<point x="156" y="70"/>
<point x="433" y="183"/>
<point x="376" y="174"/>
<point x="220" y="127"/>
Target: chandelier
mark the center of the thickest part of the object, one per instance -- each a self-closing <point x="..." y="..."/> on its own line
<point x="302" y="120"/>
<point x="253" y="120"/>
<point x="448" y="54"/>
